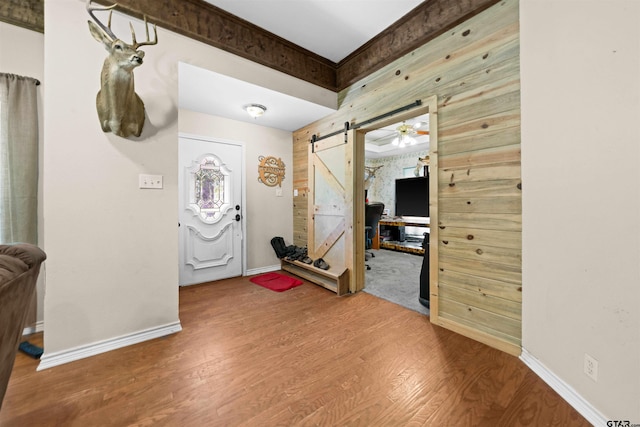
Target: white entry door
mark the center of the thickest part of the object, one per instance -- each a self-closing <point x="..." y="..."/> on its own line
<point x="211" y="211"/>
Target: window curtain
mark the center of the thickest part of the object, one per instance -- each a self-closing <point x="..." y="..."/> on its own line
<point x="18" y="159"/>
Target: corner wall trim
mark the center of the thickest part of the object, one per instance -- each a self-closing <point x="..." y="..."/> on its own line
<point x="77" y="353"/>
<point x="567" y="392"/>
<point x="261" y="270"/>
<point x="37" y="327"/>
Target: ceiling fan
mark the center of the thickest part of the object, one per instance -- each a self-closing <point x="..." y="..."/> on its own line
<point x="406" y="134"/>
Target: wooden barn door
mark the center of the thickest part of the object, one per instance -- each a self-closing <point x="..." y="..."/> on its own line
<point x="335" y="214"/>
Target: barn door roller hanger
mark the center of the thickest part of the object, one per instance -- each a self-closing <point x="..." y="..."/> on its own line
<point x="315" y="138"/>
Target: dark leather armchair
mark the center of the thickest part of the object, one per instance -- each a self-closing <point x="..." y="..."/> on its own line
<point x="372" y="214"/>
<point x="19" y="270"/>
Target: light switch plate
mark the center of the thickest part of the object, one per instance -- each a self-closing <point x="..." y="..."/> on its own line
<point x="279" y="192"/>
<point x="150" y="181"/>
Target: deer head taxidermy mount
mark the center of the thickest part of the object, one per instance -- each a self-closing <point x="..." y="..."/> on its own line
<point x="371" y="174"/>
<point x="423" y="162"/>
<point x="120" y="109"/>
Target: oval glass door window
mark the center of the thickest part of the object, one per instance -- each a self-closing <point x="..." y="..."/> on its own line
<point x="210" y="192"/>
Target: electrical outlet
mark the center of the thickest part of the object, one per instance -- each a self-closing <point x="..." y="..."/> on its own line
<point x="591" y="367"/>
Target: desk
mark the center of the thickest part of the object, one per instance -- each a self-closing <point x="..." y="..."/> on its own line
<point x="404" y="246"/>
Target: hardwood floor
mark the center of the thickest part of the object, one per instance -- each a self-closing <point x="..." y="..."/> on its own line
<point x="248" y="356"/>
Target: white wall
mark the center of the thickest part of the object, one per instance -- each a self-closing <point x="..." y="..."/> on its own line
<point x="112" y="269"/>
<point x="22" y="53"/>
<point x="581" y="195"/>
<point x="268" y="215"/>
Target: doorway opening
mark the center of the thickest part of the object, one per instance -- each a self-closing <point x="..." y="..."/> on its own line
<point x="397" y="174"/>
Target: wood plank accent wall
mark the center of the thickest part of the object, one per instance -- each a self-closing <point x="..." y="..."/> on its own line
<point x="425" y="22"/>
<point x="473" y="70"/>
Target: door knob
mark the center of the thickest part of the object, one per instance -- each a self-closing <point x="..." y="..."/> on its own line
<point x="237" y="217"/>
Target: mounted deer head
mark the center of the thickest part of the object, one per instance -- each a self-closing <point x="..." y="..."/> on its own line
<point x="120" y="109"/>
<point x="371" y="174"/>
<point x="422" y="162"/>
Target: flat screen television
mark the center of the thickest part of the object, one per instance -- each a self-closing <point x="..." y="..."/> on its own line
<point x="412" y="196"/>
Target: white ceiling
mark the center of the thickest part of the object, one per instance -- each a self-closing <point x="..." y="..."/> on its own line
<point x="215" y="94"/>
<point x="378" y="142"/>
<point x="330" y="28"/>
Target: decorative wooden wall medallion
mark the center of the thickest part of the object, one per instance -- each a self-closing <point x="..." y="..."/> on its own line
<point x="271" y="171"/>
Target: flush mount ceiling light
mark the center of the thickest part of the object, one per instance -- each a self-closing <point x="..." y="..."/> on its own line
<point x="255" y="110"/>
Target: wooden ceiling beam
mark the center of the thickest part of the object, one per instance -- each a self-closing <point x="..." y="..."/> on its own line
<point x="28" y="14"/>
<point x="209" y="24"/>
<point x="204" y="22"/>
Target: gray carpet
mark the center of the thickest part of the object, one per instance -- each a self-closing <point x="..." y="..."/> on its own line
<point x="395" y="277"/>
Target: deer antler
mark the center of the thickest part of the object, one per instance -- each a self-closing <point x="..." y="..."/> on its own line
<point x="371" y="170"/>
<point x="107" y="29"/>
<point x="148" y="42"/>
<point x="111" y="35"/>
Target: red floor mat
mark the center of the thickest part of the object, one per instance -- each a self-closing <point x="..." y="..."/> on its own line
<point x="276" y="282"/>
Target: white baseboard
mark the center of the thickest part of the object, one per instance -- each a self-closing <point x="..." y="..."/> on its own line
<point x="261" y="270"/>
<point x="38" y="327"/>
<point x="49" y="360"/>
<point x="567" y="392"/>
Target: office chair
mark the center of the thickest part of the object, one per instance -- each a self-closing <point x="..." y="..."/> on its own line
<point x="372" y="215"/>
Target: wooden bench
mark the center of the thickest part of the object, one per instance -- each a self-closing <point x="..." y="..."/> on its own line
<point x="336" y="281"/>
